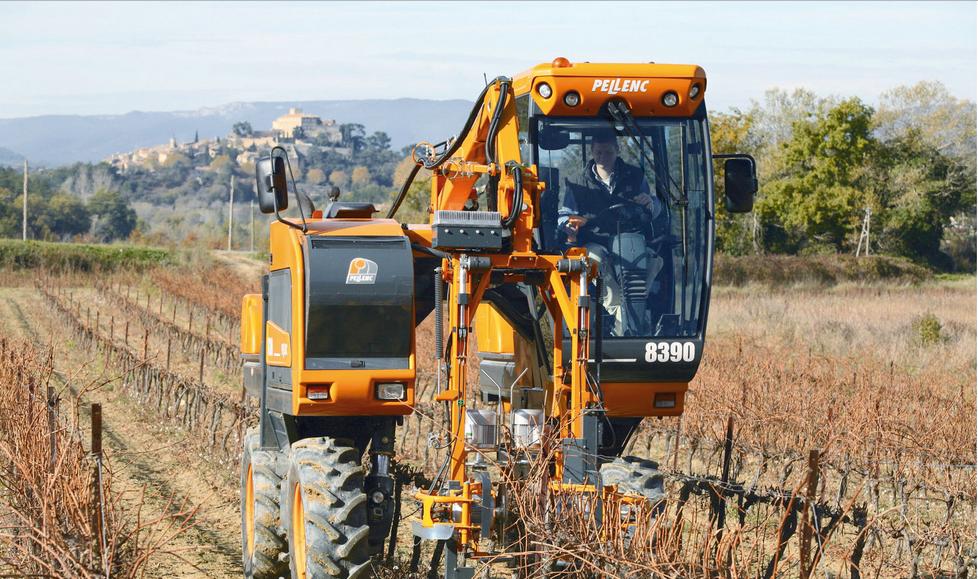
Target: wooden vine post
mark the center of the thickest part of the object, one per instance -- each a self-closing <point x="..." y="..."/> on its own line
<point x="807" y="512"/>
<point x="98" y="521"/>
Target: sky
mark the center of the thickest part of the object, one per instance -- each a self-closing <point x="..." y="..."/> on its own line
<point x="112" y="58"/>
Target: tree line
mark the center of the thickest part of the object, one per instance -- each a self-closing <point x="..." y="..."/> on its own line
<point x="829" y="167"/>
<point x="62" y="206"/>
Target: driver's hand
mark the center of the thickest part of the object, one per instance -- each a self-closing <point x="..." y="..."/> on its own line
<point x="644" y="200"/>
<point x="573" y="225"/>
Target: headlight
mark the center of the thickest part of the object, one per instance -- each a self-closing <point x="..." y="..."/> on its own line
<point x="670" y="99"/>
<point x="318" y="392"/>
<point x="665" y="400"/>
<point x="545" y="90"/>
<point x="572" y="99"/>
<point x="694" y="91"/>
<point x="390" y="391"/>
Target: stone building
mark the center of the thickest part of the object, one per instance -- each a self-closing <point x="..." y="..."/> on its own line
<point x="299" y="125"/>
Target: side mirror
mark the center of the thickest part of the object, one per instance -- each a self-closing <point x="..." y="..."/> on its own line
<point x="273" y="192"/>
<point x="739" y="184"/>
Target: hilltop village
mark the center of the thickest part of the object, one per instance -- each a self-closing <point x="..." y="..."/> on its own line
<point x="296" y="131"/>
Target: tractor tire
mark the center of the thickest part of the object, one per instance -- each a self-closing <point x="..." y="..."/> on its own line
<point x="636" y="476"/>
<point x="327" y="511"/>
<point x="263" y="544"/>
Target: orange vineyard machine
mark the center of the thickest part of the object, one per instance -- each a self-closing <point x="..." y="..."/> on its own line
<point x="569" y="246"/>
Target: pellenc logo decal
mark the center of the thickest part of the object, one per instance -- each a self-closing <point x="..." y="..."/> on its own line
<point x="362" y="271"/>
<point x="617" y="85"/>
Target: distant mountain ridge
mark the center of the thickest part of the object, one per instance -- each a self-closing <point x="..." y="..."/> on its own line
<point x="53" y="140"/>
<point x="10" y="158"/>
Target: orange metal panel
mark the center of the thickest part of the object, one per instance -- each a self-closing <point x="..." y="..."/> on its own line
<point x="637" y="398"/>
<point x="251" y="324"/>
<point x="353" y="392"/>
<point x="492" y="331"/>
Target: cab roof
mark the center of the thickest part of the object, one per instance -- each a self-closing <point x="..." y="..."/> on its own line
<point x="642" y="86"/>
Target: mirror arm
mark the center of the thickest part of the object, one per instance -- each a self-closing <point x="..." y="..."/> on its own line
<point x="750" y="158"/>
<point x="304" y="228"/>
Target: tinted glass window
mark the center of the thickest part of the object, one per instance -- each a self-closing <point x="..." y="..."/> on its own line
<point x="280" y="298"/>
<point x="359" y="331"/>
<point x="638" y="201"/>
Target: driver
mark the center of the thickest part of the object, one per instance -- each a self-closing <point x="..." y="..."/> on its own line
<point x="608" y="180"/>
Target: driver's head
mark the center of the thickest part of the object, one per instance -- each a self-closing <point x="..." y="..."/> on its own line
<point x="604" y="149"/>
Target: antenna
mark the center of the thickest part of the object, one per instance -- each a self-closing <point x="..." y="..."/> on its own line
<point x="485" y="78"/>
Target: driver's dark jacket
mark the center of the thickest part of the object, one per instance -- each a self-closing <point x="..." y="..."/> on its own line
<point x="592" y="197"/>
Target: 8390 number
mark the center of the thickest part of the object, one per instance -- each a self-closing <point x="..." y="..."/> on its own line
<point x="670" y="352"/>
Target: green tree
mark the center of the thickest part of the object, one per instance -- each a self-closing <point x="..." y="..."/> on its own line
<point x="114" y="218"/>
<point x="818" y="203"/>
<point x="927" y="175"/>
<point x="63" y="217"/>
<point x="919" y="192"/>
<point x="353" y="136"/>
<point x="9" y="216"/>
<point x="379" y="141"/>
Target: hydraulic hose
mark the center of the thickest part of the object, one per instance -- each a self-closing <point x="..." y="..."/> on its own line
<point x="437" y="162"/>
<point x="403" y="192"/>
<point x="492" y="187"/>
<point x="430" y="251"/>
<point x="497" y="115"/>
<point x="517" y="206"/>
<point x="473" y="114"/>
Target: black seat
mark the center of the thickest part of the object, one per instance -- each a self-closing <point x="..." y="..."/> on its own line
<point x="350" y="210"/>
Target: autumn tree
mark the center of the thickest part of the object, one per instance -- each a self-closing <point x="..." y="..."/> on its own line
<point x="315" y="176"/>
<point x="733" y="133"/>
<point x="339" y="178"/>
<point x="414" y="208"/>
<point x="360" y="176"/>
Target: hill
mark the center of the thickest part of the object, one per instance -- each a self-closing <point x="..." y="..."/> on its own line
<point x="62" y="139"/>
<point x="10" y="158"/>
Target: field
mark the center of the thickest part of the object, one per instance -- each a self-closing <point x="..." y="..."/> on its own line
<point x="868" y="386"/>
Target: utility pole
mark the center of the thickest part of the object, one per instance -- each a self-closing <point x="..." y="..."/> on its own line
<point x="25" y="202"/>
<point x="864" y="233"/>
<point x="252" y="226"/>
<point x="231" y="213"/>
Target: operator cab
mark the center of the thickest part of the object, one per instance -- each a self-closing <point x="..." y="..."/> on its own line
<point x="647" y="216"/>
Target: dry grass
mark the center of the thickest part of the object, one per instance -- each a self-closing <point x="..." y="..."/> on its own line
<point x="879" y="378"/>
<point x="62" y="516"/>
<point x="843" y="370"/>
<point x="852" y="321"/>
